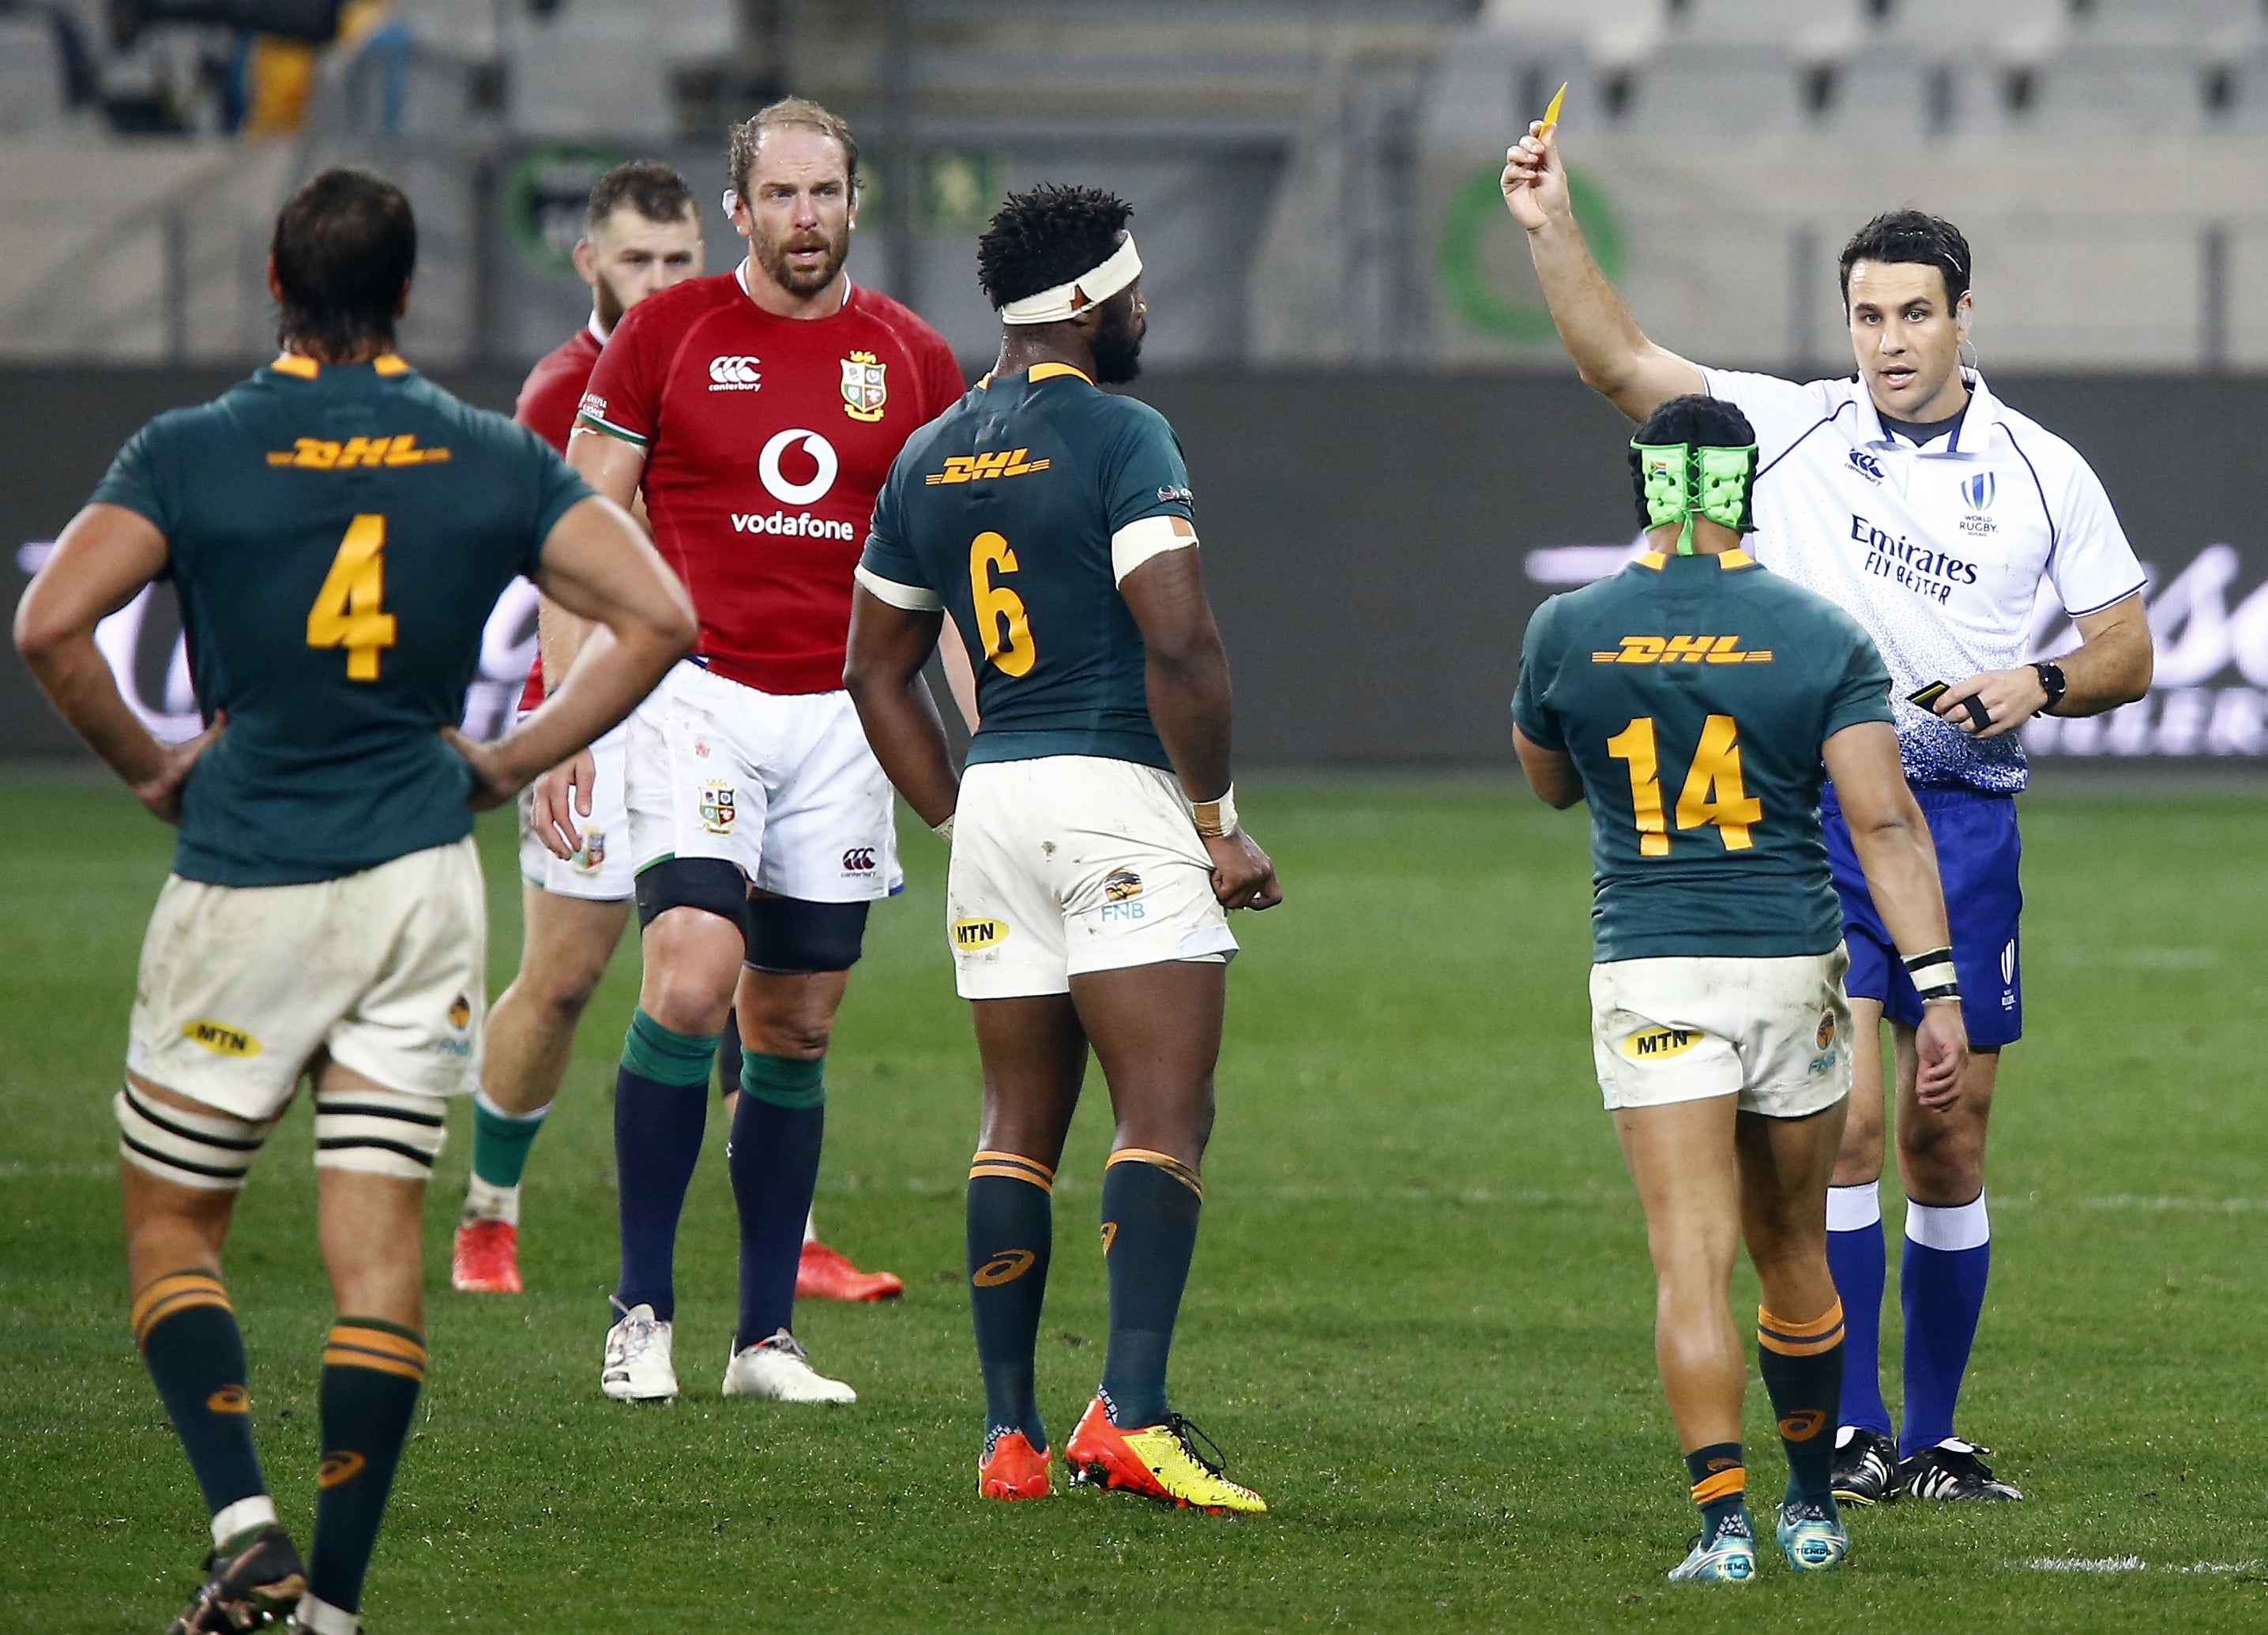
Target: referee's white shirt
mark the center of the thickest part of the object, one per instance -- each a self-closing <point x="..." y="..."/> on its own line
<point x="1939" y="552"/>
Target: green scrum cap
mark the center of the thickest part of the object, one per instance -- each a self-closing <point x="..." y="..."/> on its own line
<point x="1678" y="481"/>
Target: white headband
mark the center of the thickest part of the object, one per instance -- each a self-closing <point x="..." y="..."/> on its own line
<point x="1120" y="269"/>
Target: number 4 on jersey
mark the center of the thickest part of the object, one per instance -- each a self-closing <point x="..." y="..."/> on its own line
<point x="346" y="611"/>
<point x="1713" y="792"/>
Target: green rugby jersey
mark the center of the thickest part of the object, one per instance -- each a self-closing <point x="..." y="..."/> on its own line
<point x="1003" y="509"/>
<point x="1693" y="694"/>
<point x="337" y="537"/>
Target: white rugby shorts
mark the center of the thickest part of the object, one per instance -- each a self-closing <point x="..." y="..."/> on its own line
<point x="782" y="785"/>
<point x="1070" y="863"/>
<point x="1776" y="1033"/>
<point x="387" y="969"/>
<point x="600" y="870"/>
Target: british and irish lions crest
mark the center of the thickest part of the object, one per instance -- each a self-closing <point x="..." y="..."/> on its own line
<point x="865" y="390"/>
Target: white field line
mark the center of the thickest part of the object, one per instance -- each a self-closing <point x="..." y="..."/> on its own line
<point x="2130" y="1563"/>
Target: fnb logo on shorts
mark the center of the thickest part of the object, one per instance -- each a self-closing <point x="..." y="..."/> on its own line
<point x="859" y="860"/>
<point x="1121" y="890"/>
<point x="1681" y="650"/>
<point x="734" y="374"/>
<point x="1657" y="1044"/>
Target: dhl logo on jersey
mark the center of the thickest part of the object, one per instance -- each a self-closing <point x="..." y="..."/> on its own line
<point x="314" y="454"/>
<point x="1681" y="650"/>
<point x="1008" y="463"/>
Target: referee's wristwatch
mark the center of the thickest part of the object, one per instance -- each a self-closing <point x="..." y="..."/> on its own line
<point x="2052" y="683"/>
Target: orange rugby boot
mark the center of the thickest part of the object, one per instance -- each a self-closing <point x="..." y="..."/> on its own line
<point x="1159" y="1461"/>
<point x="486" y="1258"/>
<point x="826" y="1274"/>
<point x="1012" y="1467"/>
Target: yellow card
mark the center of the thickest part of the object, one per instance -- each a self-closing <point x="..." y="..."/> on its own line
<point x="1551" y="114"/>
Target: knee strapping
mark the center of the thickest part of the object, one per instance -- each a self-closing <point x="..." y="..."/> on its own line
<point x="795" y="937"/>
<point x="710" y="884"/>
<point x="380" y="1132"/>
<point x="211" y="1152"/>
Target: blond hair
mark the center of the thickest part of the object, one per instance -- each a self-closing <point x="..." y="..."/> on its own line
<point x="748" y="136"/>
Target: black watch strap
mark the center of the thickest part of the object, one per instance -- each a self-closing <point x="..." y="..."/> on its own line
<point x="2053" y="682"/>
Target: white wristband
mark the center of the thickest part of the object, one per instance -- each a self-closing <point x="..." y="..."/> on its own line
<point x="1215" y="818"/>
<point x="944" y="831"/>
<point x="1934" y="976"/>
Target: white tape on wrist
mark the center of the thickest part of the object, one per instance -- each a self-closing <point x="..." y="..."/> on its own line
<point x="1934" y="976"/>
<point x="944" y="830"/>
<point x="1215" y="818"/>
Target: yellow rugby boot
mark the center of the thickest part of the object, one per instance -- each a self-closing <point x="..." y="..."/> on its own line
<point x="1159" y="1461"/>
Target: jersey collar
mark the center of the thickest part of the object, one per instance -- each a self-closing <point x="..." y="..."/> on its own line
<point x="597" y="334"/>
<point x="741" y="278"/>
<point x="1972" y="436"/>
<point x="1726" y="559"/>
<point x="1037" y="373"/>
<point x="387" y="366"/>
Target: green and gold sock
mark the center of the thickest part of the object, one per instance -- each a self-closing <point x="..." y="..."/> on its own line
<point x="1802" y="1365"/>
<point x="372" y="1373"/>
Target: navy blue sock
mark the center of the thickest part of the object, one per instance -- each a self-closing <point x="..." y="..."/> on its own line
<point x="661" y="1109"/>
<point x="1941" y="1282"/>
<point x="1721" y="1487"/>
<point x="1150" y="1208"/>
<point x="1010" y="1235"/>
<point x="774" y="1155"/>
<point x="190" y="1339"/>
<point x="1802" y="1365"/>
<point x="1856" y="1258"/>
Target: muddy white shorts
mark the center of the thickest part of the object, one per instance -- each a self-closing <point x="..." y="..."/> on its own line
<point x="780" y="784"/>
<point x="387" y="969"/>
<point x="1776" y="1033"/>
<point x="1070" y="863"/>
<point x="600" y="870"/>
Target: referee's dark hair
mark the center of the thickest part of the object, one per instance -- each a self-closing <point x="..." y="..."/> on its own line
<point x="1915" y="236"/>
<point x="647" y="186"/>
<point x="344" y="248"/>
<point x="1703" y="421"/>
<point x="1046" y="237"/>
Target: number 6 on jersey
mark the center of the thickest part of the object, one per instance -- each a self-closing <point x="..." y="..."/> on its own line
<point x="346" y="611"/>
<point x="999" y="610"/>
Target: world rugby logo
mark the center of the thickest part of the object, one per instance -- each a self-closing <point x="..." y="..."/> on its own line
<point x="734" y="374"/>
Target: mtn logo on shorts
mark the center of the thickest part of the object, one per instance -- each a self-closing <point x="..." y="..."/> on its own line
<point x="1681" y="650"/>
<point x="970" y="935"/>
<point x="717" y="809"/>
<point x="1659" y="1044"/>
<point x="1121" y="886"/>
<point x="220" y="1038"/>
<point x="461" y="1013"/>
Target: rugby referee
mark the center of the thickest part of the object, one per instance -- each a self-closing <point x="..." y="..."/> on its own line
<point x="1912" y="497"/>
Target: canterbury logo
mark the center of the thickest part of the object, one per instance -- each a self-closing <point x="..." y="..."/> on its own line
<point x="1014" y="463"/>
<point x="1802" y="1427"/>
<point x="733" y="374"/>
<point x="1006" y="1267"/>
<point x="1109" y="1232"/>
<point x="230" y="1399"/>
<point x="859" y="860"/>
<point x="337" y="1468"/>
<point x="311" y="453"/>
<point x="1681" y="650"/>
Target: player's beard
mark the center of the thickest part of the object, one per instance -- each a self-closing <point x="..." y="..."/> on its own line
<point x="772" y="257"/>
<point x="1117" y="346"/>
<point x="606" y="304"/>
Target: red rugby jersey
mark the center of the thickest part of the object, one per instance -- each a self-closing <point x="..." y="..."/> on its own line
<point x="548" y="399"/>
<point x="767" y="440"/>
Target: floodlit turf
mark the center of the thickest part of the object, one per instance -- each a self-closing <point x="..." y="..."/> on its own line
<point x="1419" y="1319"/>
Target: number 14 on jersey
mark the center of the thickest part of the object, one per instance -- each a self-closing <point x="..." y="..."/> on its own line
<point x="1713" y="794"/>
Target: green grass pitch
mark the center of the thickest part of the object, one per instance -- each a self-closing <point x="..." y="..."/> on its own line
<point x="1419" y="1319"/>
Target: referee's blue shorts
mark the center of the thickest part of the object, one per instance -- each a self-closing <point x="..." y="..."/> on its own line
<point x="1977" y="855"/>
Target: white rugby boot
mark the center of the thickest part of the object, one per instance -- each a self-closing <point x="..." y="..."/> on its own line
<point x="637" y="1368"/>
<point x="780" y="1369"/>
